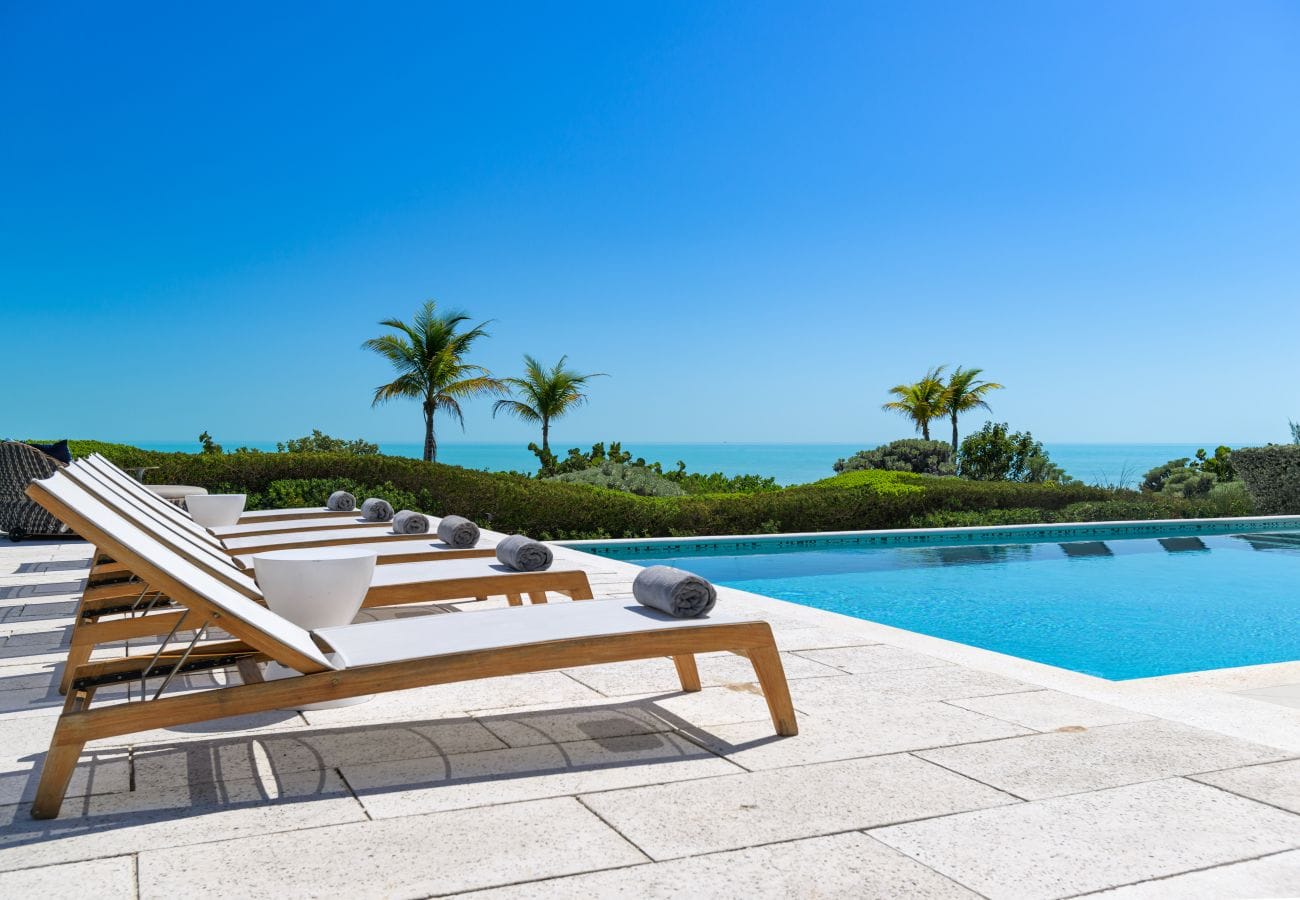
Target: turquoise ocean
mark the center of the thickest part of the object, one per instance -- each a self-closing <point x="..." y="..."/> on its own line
<point x="1118" y="464"/>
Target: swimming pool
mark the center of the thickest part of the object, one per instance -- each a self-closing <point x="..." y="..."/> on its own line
<point x="1120" y="603"/>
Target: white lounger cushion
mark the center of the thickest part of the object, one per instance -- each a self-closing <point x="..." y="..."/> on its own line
<point x="415" y="572"/>
<point x="268" y="513"/>
<point x="421" y="637"/>
<point x="385" y="548"/>
<point x="298" y="537"/>
<point x="332" y="522"/>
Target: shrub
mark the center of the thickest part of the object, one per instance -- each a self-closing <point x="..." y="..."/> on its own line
<point x="638" y="480"/>
<point x="717" y="482"/>
<point x="1272" y="476"/>
<point x="122" y="454"/>
<point x="1187" y="477"/>
<point x="994" y="454"/>
<point x="316" y="442"/>
<point x="908" y="455"/>
<point x="884" y="482"/>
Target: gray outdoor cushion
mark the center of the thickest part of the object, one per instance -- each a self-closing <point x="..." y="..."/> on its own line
<point x="175" y="491"/>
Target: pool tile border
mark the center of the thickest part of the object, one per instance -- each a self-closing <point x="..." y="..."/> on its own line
<point x="630" y="548"/>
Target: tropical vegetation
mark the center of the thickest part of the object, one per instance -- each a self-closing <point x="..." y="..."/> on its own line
<point x="557" y="509"/>
<point x="932" y="398"/>
<point x="995" y="453"/>
<point x="921" y="401"/>
<point x="542" y="395"/>
<point x="914" y="455"/>
<point x="429" y="354"/>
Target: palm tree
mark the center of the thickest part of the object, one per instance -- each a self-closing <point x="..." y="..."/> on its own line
<point x="546" y="394"/>
<point x="429" y="356"/>
<point x="965" y="392"/>
<point x="922" y="402"/>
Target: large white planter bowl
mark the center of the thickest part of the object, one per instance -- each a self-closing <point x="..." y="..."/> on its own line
<point x="214" y="510"/>
<point x="315" y="588"/>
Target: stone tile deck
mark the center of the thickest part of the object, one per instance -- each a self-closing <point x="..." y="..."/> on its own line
<point x="923" y="769"/>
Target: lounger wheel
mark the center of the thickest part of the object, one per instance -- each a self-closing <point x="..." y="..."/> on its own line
<point x="16" y="534"/>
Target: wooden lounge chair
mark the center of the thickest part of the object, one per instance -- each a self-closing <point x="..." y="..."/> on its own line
<point x="143" y="602"/>
<point x="317" y="532"/>
<point x="353" y="660"/>
<point x="249" y="516"/>
<point x="388" y="547"/>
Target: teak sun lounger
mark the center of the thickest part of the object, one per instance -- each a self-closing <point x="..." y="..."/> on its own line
<point x="347" y="534"/>
<point x="352" y="660"/>
<point x="426" y="582"/>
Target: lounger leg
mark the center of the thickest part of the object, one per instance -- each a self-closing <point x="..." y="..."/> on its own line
<point x="83" y="643"/>
<point x="60" y="762"/>
<point x="480" y="599"/>
<point x="514" y="600"/>
<point x="687" y="672"/>
<point x="537" y="596"/>
<point x="771" y="678"/>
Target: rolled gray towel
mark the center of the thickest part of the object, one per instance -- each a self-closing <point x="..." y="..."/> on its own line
<point x="409" y="522"/>
<point x="376" y="510"/>
<point x="458" y="532"/>
<point x="523" y="554"/>
<point x="674" y="591"/>
<point x="341" y="501"/>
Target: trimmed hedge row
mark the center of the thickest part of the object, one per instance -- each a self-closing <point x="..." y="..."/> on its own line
<point x="1272" y="475"/>
<point x="557" y="510"/>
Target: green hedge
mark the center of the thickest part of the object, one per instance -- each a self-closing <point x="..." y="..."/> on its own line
<point x="555" y="510"/>
<point x="1272" y="475"/>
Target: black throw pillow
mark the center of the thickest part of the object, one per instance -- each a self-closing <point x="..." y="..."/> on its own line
<point x="58" y="450"/>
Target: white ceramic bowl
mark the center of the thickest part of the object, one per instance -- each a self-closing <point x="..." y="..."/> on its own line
<point x="213" y="510"/>
<point x="315" y="588"/>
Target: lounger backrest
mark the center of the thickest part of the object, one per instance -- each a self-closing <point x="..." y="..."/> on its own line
<point x="123" y="498"/>
<point x="181" y="579"/>
<point x="158" y="504"/>
<point x="214" y="562"/>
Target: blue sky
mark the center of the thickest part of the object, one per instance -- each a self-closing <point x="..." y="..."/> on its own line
<point x="755" y="216"/>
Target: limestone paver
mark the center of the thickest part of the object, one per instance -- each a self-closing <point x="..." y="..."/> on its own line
<point x="528" y="773"/>
<point x="854" y="692"/>
<point x="1057" y="763"/>
<point x="871" y="658"/>
<point x="563" y="723"/>
<point x="1049" y="710"/>
<point x="456" y="699"/>
<point x="1272" y="876"/>
<point x="852" y="866"/>
<point x="103" y="879"/>
<point x="736" y="811"/>
<point x="257" y="805"/>
<point x="651" y="675"/>
<point x="23" y="743"/>
<point x="876" y="729"/>
<point x="308" y="749"/>
<point x="112" y="824"/>
<point x="414" y="856"/>
<point x="1087" y="842"/>
<point x="1274" y="783"/>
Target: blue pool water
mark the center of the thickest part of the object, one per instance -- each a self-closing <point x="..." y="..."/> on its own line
<point x="1116" y="608"/>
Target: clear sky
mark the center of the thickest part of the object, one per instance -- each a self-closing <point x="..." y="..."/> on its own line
<point x="755" y="216"/>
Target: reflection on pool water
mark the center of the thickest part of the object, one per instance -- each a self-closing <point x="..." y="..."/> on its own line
<point x="1117" y="608"/>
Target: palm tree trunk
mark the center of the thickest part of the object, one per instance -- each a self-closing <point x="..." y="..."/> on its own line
<point x="925" y="429"/>
<point x="430" y="443"/>
<point x="954" y="435"/>
<point x="546" y="434"/>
